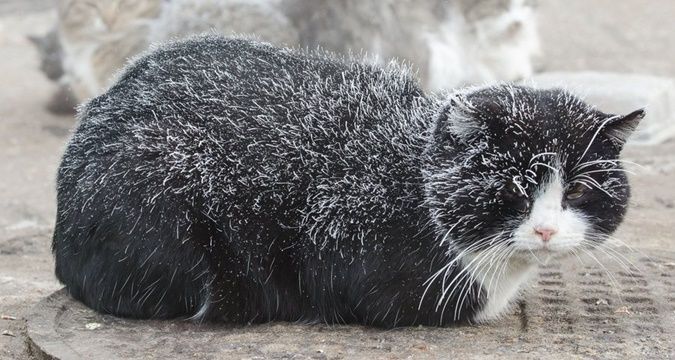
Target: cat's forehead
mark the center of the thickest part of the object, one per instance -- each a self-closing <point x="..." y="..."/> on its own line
<point x="519" y="108"/>
<point x="534" y="121"/>
<point x="525" y="126"/>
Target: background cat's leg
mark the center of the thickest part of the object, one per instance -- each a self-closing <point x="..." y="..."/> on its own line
<point x="524" y="319"/>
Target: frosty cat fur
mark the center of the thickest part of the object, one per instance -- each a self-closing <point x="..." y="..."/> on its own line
<point x="227" y="179"/>
<point x="451" y="43"/>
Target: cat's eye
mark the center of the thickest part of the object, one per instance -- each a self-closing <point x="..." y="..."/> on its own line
<point x="576" y="192"/>
<point x="522" y="204"/>
<point x="516" y="197"/>
<point x="512" y="189"/>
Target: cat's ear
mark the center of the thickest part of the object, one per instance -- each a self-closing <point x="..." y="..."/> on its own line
<point x="457" y="120"/>
<point x="618" y="128"/>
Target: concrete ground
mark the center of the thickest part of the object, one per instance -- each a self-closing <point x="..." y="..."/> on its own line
<point x="625" y="36"/>
<point x="631" y="36"/>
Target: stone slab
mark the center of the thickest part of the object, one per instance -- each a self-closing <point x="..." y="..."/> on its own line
<point x="574" y="310"/>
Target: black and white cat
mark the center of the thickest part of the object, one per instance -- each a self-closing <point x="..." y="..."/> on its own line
<point x="226" y="179"/>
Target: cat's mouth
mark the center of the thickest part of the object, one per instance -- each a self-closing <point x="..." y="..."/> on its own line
<point x="542" y="256"/>
<point x="542" y="253"/>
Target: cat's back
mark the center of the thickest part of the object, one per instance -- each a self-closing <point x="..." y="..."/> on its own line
<point x="213" y="148"/>
<point x="205" y="89"/>
<point x="209" y="69"/>
<point x="211" y="78"/>
<point x="218" y="115"/>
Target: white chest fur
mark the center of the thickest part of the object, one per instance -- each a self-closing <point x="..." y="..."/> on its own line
<point x="501" y="285"/>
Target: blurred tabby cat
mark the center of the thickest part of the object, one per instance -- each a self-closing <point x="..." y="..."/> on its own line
<point x="450" y="42"/>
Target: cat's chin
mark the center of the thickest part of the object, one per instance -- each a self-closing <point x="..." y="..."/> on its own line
<point x="540" y="256"/>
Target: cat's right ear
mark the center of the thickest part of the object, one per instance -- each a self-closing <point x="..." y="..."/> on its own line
<point x="619" y="128"/>
<point x="457" y="121"/>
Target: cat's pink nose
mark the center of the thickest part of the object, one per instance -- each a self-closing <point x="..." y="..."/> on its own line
<point x="545" y="233"/>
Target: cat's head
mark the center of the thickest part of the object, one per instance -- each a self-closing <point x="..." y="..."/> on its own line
<point x="527" y="170"/>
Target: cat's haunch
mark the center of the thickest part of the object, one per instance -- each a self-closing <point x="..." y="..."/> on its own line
<point x="226" y="179"/>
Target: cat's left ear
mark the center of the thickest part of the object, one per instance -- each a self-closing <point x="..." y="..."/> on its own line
<point x="618" y="128"/>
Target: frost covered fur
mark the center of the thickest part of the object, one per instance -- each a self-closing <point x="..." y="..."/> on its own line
<point x="227" y="179"/>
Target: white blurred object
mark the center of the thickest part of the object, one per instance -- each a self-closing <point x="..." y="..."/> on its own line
<point x="621" y="94"/>
<point x="471" y="49"/>
<point x="449" y="42"/>
<point x="263" y="18"/>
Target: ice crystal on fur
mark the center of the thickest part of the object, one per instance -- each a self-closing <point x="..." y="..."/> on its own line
<point x="227" y="179"/>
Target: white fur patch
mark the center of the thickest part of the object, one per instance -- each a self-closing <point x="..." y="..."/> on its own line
<point x="203" y="309"/>
<point x="547" y="212"/>
<point x="501" y="286"/>
<point x="464" y="51"/>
